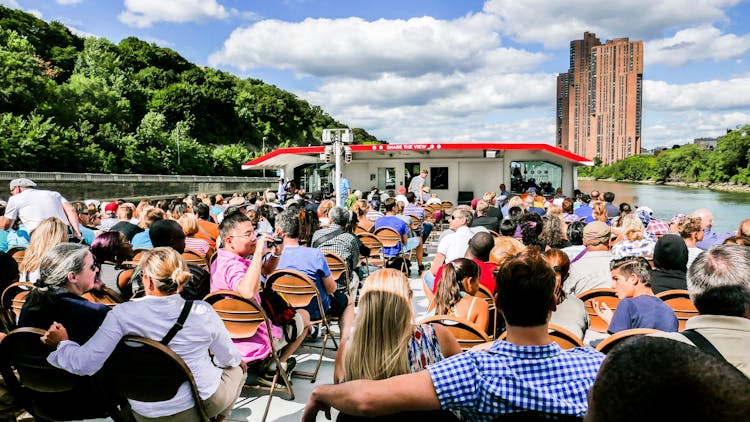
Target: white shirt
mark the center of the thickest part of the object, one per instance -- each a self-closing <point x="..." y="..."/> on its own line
<point x="590" y="272"/>
<point x="33" y="206"/>
<point x="455" y="244"/>
<point x="153" y="317"/>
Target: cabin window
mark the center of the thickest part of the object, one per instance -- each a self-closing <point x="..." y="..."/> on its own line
<point x="386" y="178"/>
<point x="438" y="177"/>
<point x="546" y="177"/>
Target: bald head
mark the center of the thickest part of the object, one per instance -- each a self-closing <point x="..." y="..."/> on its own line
<point x="707" y="219"/>
<point x="744" y="229"/>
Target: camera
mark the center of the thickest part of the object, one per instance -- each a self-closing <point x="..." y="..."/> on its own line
<point x="276" y="241"/>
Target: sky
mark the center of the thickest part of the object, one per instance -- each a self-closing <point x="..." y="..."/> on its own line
<point x="412" y="71"/>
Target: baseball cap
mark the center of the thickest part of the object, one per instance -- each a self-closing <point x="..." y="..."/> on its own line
<point x="22" y="183"/>
<point x="401" y="190"/>
<point x="111" y="207"/>
<point x="647" y="210"/>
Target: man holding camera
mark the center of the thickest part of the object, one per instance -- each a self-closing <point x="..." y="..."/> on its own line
<point x="238" y="267"/>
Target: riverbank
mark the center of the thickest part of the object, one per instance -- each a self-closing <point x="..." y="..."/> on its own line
<point x="722" y="187"/>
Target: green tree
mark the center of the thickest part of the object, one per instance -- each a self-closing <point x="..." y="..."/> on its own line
<point x="23" y="83"/>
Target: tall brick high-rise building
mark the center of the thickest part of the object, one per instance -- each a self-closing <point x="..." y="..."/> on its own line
<point x="599" y="99"/>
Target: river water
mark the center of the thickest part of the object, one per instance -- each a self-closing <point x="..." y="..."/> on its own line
<point x="728" y="208"/>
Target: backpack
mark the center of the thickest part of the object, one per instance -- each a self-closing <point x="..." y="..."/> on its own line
<point x="280" y="312"/>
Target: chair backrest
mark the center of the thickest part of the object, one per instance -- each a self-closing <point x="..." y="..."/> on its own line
<point x="608" y="343"/>
<point x="296" y="287"/>
<point x="12" y="300"/>
<point x="360" y="230"/>
<point x="241" y="316"/>
<point x="564" y="338"/>
<point x="446" y="205"/>
<point x="17" y="253"/>
<point x="416" y="221"/>
<point x="137" y="255"/>
<point x="607" y="296"/>
<point x="494" y="234"/>
<point x="338" y="266"/>
<point x="679" y="301"/>
<point x="23" y="350"/>
<point x="466" y="333"/>
<point x="372" y="242"/>
<point x="105" y="296"/>
<point x="388" y="236"/>
<point x="191" y="256"/>
<point x="485" y="294"/>
<point x="145" y="370"/>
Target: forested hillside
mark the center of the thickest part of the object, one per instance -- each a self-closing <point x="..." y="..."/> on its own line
<point x="88" y="105"/>
<point x="728" y="163"/>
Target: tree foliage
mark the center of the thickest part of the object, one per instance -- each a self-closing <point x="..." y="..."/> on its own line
<point x="96" y="106"/>
<point x="729" y="162"/>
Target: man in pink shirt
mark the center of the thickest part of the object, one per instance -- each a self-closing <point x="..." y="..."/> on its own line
<point x="239" y="266"/>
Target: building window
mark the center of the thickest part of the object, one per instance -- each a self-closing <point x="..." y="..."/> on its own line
<point x="438" y="177"/>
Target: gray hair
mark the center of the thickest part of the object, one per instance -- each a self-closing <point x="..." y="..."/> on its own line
<point x="58" y="262"/>
<point x="288" y="223"/>
<point x="466" y="212"/>
<point x="718" y="281"/>
<point x="339" y="216"/>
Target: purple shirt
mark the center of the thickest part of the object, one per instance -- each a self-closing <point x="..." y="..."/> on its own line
<point x="227" y="271"/>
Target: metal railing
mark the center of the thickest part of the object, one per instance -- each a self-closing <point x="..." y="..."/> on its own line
<point x="99" y="177"/>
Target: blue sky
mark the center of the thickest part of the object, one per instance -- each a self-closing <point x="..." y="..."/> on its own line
<point x="447" y="70"/>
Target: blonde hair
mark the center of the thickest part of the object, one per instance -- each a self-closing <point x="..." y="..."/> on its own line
<point x="600" y="211"/>
<point x="632" y="227"/>
<point x="505" y="246"/>
<point x="189" y="223"/>
<point x="166" y="268"/>
<point x="515" y="201"/>
<point x="324" y="207"/>
<point x="382" y="328"/>
<point x="50" y="232"/>
<point x="688" y="225"/>
<point x="489" y="197"/>
<point x="151" y="215"/>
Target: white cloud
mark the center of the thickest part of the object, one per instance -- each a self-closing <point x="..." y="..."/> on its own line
<point x="36" y="12"/>
<point x="682" y="127"/>
<point x="555" y="23"/>
<point x="80" y="32"/>
<point x="144" y="13"/>
<point x="11" y="4"/>
<point x="696" y="44"/>
<point x="68" y="2"/>
<point x="158" y="41"/>
<point x="357" y="48"/>
<point x="709" y="95"/>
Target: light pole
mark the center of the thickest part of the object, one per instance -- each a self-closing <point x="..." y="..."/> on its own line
<point x="335" y="140"/>
<point x="262" y="152"/>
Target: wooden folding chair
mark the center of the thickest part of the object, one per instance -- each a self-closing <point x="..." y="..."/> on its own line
<point x="466" y="333"/>
<point x="242" y="317"/>
<point x="300" y="291"/>
<point x="679" y="301"/>
<point x="389" y="237"/>
<point x="46" y="392"/>
<point x="191" y="256"/>
<point x="339" y="270"/>
<point x="608" y="343"/>
<point x="494" y="234"/>
<point x="607" y="296"/>
<point x="485" y="294"/>
<point x="360" y="230"/>
<point x="12" y="300"/>
<point x="17" y="253"/>
<point x="375" y="258"/>
<point x="104" y="296"/>
<point x="137" y="255"/>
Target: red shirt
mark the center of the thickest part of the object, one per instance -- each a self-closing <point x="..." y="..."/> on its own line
<point x="487" y="278"/>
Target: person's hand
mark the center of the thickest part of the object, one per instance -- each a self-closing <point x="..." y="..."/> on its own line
<point x="56" y="334"/>
<point x="312" y="407"/>
<point x="603" y="310"/>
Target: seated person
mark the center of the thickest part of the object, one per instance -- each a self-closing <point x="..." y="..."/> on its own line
<point x="384" y="320"/>
<point x="391" y="220"/>
<point x="110" y="250"/>
<point x="656" y="379"/>
<point x="68" y="271"/>
<point x="189" y="224"/>
<point x="456" y="292"/>
<point x="313" y="264"/>
<point x="50" y="232"/>
<point x="142" y="239"/>
<point x="571" y="312"/>
<point x="638" y="307"/>
<point x="239" y="266"/>
<point x="528" y="373"/>
<point x="203" y="342"/>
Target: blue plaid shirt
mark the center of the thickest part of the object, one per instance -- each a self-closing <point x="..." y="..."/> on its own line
<point x="509" y="379"/>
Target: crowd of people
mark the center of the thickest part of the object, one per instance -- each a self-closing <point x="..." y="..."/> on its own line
<point x="534" y="254"/>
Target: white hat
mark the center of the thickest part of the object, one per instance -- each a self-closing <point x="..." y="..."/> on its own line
<point x="647" y="209"/>
<point x="22" y="183"/>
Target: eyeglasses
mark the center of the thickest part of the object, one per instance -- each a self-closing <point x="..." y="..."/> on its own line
<point x="246" y="236"/>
